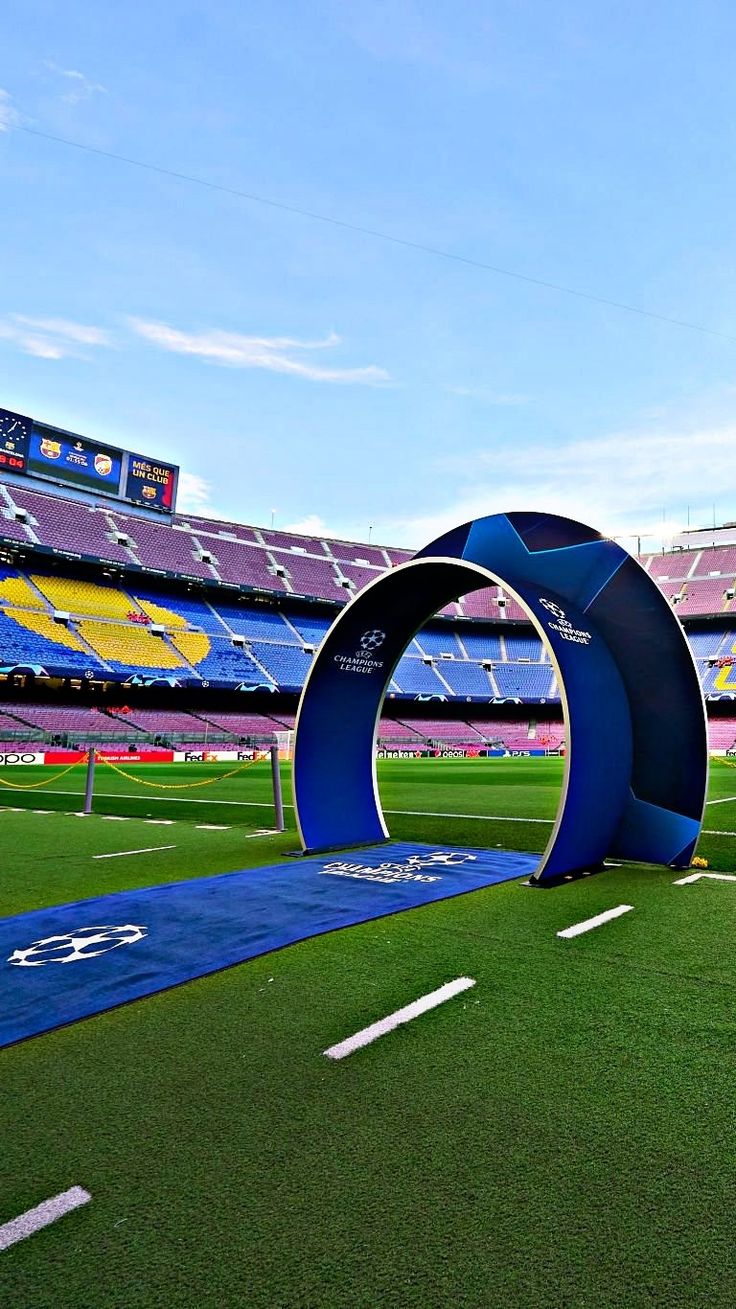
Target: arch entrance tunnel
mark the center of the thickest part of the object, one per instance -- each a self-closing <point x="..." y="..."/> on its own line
<point x="637" y="759"/>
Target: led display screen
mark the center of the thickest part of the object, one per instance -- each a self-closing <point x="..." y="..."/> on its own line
<point x="72" y="459"/>
<point x="35" y="449"/>
<point x="150" y="483"/>
<point x="14" y="433"/>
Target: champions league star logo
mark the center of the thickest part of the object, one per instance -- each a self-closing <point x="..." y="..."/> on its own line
<point x="372" y="640"/>
<point x="361" y="660"/>
<point x="407" y="870"/>
<point x="563" y="625"/>
<point x="70" y="947"/>
<point x="553" y="608"/>
<point x="449" y="858"/>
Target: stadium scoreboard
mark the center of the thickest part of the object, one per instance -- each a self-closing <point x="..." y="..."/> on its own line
<point x="36" y="450"/>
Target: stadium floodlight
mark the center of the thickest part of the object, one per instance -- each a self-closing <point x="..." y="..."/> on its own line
<point x="636" y="765"/>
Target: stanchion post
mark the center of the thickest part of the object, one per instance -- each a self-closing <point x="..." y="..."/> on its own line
<point x="278" y="799"/>
<point x="90" y="783"/>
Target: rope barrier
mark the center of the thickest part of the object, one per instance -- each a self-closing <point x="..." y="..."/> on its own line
<point x="179" y="786"/>
<point x="31" y="786"/>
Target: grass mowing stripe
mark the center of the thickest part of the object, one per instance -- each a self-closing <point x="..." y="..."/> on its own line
<point x="146" y="849"/>
<point x="43" y="1214"/>
<point x="404" y="1015"/>
<point x="589" y="923"/>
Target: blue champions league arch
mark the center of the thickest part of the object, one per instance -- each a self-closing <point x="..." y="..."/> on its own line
<point x="637" y="759"/>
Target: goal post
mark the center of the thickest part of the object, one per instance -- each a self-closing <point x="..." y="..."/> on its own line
<point x="284" y="741"/>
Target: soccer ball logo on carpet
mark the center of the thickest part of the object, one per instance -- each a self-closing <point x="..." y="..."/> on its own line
<point x="372" y="640"/>
<point x="83" y="943"/>
<point x="450" y="858"/>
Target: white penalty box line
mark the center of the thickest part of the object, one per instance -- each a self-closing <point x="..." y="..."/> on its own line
<point x="405" y="1015"/>
<point x="43" y="1214"/>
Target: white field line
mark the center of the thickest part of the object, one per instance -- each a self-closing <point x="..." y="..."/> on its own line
<point x="173" y="799"/>
<point x="211" y="827"/>
<point x="713" y="877"/>
<point x="268" y="804"/>
<point x="114" y="818"/>
<point x="485" y="818"/>
<point x="159" y="822"/>
<point x="262" y="831"/>
<point x="587" y="926"/>
<point x="147" y="849"/>
<point x="43" y="1214"/>
<point x="404" y="1015"/>
<point x="728" y="799"/>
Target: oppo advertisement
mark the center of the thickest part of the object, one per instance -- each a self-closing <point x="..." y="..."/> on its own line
<point x="37" y="450"/>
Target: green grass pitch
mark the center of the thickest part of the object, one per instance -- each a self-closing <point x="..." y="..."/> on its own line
<point x="559" y="1135"/>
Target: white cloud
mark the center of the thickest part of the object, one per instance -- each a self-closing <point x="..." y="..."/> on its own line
<point x="626" y="485"/>
<point x="488" y="396"/>
<point x="9" y="116"/>
<point x="51" y="338"/>
<point x="234" y="350"/>
<point x="311" y="525"/>
<point x="80" y="87"/>
<point x="80" y="333"/>
<point x="193" y="496"/>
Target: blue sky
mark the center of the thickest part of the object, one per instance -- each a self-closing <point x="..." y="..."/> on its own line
<point x="341" y="380"/>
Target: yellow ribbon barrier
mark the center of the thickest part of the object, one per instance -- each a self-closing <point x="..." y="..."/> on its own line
<point x="31" y="786"/>
<point x="180" y="786"/>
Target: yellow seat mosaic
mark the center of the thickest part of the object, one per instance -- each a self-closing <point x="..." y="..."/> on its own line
<point x="126" y="644"/>
<point x="84" y="598"/>
<point x="44" y="625"/>
<point x="18" y="591"/>
<point x="194" y="646"/>
<point x="101" y="621"/>
<point x="725" y="679"/>
<point x="158" y="614"/>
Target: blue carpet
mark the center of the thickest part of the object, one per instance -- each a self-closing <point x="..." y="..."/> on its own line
<point x="65" y="963"/>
